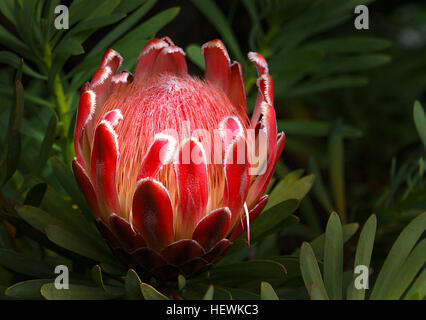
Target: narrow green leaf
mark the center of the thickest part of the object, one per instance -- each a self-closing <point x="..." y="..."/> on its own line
<point x="47" y="144"/>
<point x="420" y="121"/>
<point x="67" y="181"/>
<point x="15" y="44"/>
<point x="89" y="65"/>
<point x="28" y="290"/>
<point x="96" y="274"/>
<point x="310" y="270"/>
<point x="315" y="128"/>
<point x="14" y="136"/>
<point x="296" y="190"/>
<point x="218" y="20"/>
<point x="319" y="188"/>
<point x="337" y="171"/>
<point x="14" y="61"/>
<point x="315" y="292"/>
<point x="132" y="286"/>
<point x="397" y="255"/>
<point x="414" y="263"/>
<point x="418" y="288"/>
<point x="7" y="8"/>
<point x="25" y="264"/>
<point x="333" y="257"/>
<point x="246" y="271"/>
<point x="317" y="244"/>
<point x="194" y="54"/>
<point x="13" y="153"/>
<point x="272" y="220"/>
<point x="350" y="45"/>
<point x="35" y="195"/>
<point x="329" y="83"/>
<point x="142" y="34"/>
<point x="74" y="292"/>
<point x="363" y="254"/>
<point x="267" y="292"/>
<point x="181" y="282"/>
<point x="37" y="217"/>
<point x="209" y="293"/>
<point x="150" y="293"/>
<point x="77" y="244"/>
<point x="346" y="64"/>
<point x="6" y="277"/>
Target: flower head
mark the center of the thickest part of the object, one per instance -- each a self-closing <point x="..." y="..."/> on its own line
<point x="172" y="166"/>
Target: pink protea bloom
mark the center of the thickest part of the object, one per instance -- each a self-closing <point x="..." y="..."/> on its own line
<point x="159" y="213"/>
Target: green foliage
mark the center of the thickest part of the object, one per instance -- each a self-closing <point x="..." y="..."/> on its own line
<point x="404" y="261"/>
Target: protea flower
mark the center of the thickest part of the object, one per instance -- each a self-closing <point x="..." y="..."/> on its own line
<point x="159" y="213"/>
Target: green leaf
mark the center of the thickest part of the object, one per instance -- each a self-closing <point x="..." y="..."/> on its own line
<point x="315" y="128"/>
<point x="217" y="19"/>
<point x="286" y="190"/>
<point x="246" y="271"/>
<point x="420" y="121"/>
<point x="13" y="153"/>
<point x="37" y="217"/>
<point x="74" y="292"/>
<point x="414" y="263"/>
<point x="317" y="244"/>
<point x="194" y="54"/>
<point x="28" y="290"/>
<point x="7" y="8"/>
<point x="272" y="220"/>
<point x="6" y="277"/>
<point x="77" y="244"/>
<point x="25" y="264"/>
<point x="141" y="34"/>
<point x="14" y="136"/>
<point x="333" y="257"/>
<point x="67" y="181"/>
<point x="349" y="45"/>
<point x="315" y="292"/>
<point x="325" y="84"/>
<point x="363" y="254"/>
<point x="91" y="61"/>
<point x="418" y="288"/>
<point x="209" y="293"/>
<point x="14" y="61"/>
<point x="150" y="293"/>
<point x="85" y="10"/>
<point x="397" y="255"/>
<point x="310" y="270"/>
<point x="132" y="286"/>
<point x="337" y="171"/>
<point x="35" y="195"/>
<point x="47" y="144"/>
<point x="181" y="282"/>
<point x="239" y="294"/>
<point x="267" y="292"/>
<point x="96" y="273"/>
<point x="351" y="64"/>
<point x="14" y="44"/>
<point x="319" y="188"/>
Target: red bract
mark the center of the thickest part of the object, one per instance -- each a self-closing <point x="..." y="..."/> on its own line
<point x="160" y="210"/>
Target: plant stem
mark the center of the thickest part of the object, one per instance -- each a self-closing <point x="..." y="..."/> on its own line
<point x="61" y="108"/>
